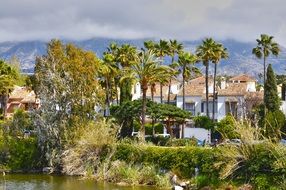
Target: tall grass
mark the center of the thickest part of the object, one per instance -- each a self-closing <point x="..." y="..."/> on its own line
<point x="257" y="159"/>
<point x="94" y="143"/>
<point x="131" y="174"/>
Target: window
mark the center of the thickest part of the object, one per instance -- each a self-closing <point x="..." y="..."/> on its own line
<point x="204" y="107"/>
<point x="231" y="108"/>
<point x="191" y="107"/>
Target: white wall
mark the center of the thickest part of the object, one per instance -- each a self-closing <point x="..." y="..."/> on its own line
<point x="195" y="99"/>
<point x="283" y="107"/>
<point x="221" y="106"/>
<point x="251" y="86"/>
<point x="175" y="88"/>
<point x="199" y="133"/>
<point x="136" y="91"/>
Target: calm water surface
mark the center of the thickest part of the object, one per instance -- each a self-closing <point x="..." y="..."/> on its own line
<point x="52" y="182"/>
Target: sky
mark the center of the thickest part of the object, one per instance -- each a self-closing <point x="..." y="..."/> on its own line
<point x="242" y="20"/>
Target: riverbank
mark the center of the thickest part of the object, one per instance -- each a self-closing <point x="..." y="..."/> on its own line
<point x="59" y="182"/>
<point x="105" y="158"/>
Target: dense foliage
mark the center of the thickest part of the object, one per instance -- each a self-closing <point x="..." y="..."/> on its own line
<point x="131" y="111"/>
<point x="272" y="101"/>
<point x="66" y="83"/>
<point x="182" y="161"/>
<point x="203" y="122"/>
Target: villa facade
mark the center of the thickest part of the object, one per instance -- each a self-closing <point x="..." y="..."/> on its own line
<point x="21" y="98"/>
<point x="236" y="96"/>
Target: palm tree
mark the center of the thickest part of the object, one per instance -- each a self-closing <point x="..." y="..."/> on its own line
<point x="220" y="52"/>
<point x="108" y="71"/>
<point x="186" y="61"/>
<point x="126" y="57"/>
<point x="147" y="69"/>
<point x="175" y="48"/>
<point x="205" y="52"/>
<point x="149" y="45"/>
<point x="113" y="49"/>
<point x="265" y="47"/>
<point x="162" y="49"/>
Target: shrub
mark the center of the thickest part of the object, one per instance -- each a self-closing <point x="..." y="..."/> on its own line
<point x="158" y="128"/>
<point x="275" y="121"/>
<point x="23" y="154"/>
<point x="253" y="159"/>
<point x="203" y="122"/>
<point x="93" y="144"/>
<point x="160" y="140"/>
<point x="182" y="142"/>
<point x="182" y="161"/>
<point x="226" y="127"/>
<point x="132" y="174"/>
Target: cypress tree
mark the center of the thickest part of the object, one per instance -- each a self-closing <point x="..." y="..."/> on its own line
<point x="271" y="101"/>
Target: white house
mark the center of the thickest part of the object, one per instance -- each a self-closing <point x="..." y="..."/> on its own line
<point x="236" y="97"/>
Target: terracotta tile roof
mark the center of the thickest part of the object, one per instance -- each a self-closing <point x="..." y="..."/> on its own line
<point x="18" y="93"/>
<point x="22" y="94"/>
<point x="233" y="89"/>
<point x="255" y="95"/>
<point x="193" y="90"/>
<point x="201" y="80"/>
<point x="196" y="87"/>
<point x="242" y="78"/>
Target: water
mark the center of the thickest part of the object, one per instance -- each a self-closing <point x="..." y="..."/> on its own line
<point x="52" y="182"/>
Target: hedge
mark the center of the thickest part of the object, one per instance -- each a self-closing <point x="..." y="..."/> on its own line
<point x="180" y="160"/>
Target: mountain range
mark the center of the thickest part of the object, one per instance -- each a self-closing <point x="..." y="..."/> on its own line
<point x="240" y="59"/>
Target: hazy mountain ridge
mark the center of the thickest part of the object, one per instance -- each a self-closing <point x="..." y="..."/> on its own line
<point x="240" y="59"/>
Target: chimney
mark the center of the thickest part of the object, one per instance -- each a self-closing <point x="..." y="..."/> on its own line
<point x="222" y="83"/>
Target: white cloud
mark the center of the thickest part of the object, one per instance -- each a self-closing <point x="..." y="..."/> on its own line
<point x="182" y="19"/>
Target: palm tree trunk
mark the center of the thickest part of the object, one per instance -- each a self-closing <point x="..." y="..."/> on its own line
<point x="161" y="93"/>
<point x="170" y="81"/>
<point x="106" y="114"/>
<point x="152" y="91"/>
<point x="169" y="91"/>
<point x="142" y="129"/>
<point x="264" y="79"/>
<point x="184" y="103"/>
<point x="116" y="91"/>
<point x="161" y="89"/>
<point x="207" y="88"/>
<point x="214" y="94"/>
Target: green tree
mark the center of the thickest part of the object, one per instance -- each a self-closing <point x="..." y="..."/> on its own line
<point x="147" y="70"/>
<point x="132" y="110"/>
<point x="162" y="49"/>
<point x="21" y="121"/>
<point x="8" y="78"/>
<point x="206" y="53"/>
<point x="226" y="127"/>
<point x="126" y="57"/>
<point x="220" y="52"/>
<point x="265" y="47"/>
<point x="67" y="84"/>
<point x="186" y="62"/>
<point x="149" y="45"/>
<point x="175" y="49"/>
<point x="203" y="122"/>
<point x="108" y="71"/>
<point x="272" y="101"/>
<point x="274" y="122"/>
